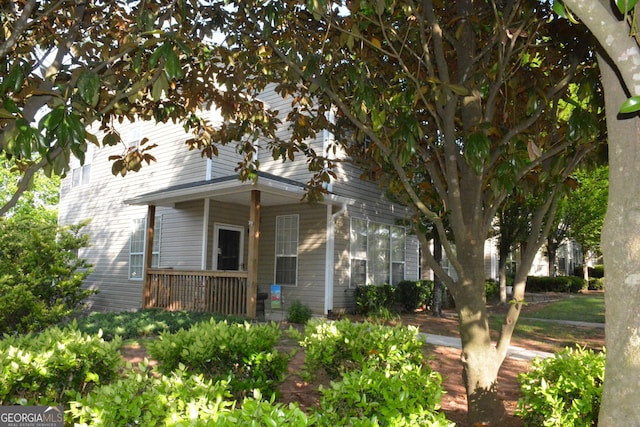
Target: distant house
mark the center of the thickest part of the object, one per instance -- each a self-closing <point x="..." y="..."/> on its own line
<point x="185" y="233"/>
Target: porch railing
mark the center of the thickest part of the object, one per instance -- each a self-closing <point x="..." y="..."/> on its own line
<point x="223" y="292"/>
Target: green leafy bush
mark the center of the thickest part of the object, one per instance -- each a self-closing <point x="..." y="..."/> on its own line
<point x="407" y="396"/>
<point x="43" y="368"/>
<point x="564" y="390"/>
<point x="372" y="299"/>
<point x="180" y="399"/>
<point x="596" y="284"/>
<point x="299" y="313"/>
<point x="143" y="398"/>
<point x="491" y="289"/>
<point x="554" y="284"/>
<point x="40" y="273"/>
<point x="412" y="294"/>
<point x="243" y="352"/>
<point x="143" y="323"/>
<point x="343" y="346"/>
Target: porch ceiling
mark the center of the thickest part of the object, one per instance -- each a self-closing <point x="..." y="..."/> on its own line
<point x="274" y="191"/>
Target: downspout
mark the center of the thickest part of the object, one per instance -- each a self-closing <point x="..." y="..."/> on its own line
<point x="329" y="256"/>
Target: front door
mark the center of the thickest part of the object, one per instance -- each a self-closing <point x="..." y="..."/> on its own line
<point x="229" y="247"/>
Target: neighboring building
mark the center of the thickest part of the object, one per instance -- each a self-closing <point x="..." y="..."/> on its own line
<point x="208" y="227"/>
<point x="569" y="256"/>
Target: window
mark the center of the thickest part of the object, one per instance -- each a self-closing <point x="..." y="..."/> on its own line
<point x="377" y="253"/>
<point x="358" y="252"/>
<point x="136" y="248"/>
<point x="286" y="249"/>
<point x="398" y="244"/>
<point x="81" y="173"/>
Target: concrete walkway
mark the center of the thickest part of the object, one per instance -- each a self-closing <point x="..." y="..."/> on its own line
<point x="513" y="352"/>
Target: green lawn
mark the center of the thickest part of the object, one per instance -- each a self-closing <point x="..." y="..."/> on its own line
<point x="584" y="308"/>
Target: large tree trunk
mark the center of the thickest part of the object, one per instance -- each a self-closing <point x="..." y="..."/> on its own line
<point x="621" y="251"/>
<point x="480" y="360"/>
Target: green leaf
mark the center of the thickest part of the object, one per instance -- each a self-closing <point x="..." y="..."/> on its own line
<point x="625" y="6"/>
<point x="89" y="87"/>
<point x="172" y="65"/>
<point x="631" y="105"/>
<point x="53" y="119"/>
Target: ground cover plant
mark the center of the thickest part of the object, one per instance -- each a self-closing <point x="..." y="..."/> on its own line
<point x="378" y="375"/>
<point x="565" y="390"/>
<point x="243" y="352"/>
<point x="48" y="367"/>
<point x="143" y="323"/>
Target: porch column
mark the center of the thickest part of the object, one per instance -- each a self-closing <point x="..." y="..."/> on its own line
<point x="148" y="253"/>
<point x="254" y="239"/>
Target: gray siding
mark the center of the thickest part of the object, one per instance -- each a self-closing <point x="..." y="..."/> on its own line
<point x="310" y="288"/>
<point x="102" y="202"/>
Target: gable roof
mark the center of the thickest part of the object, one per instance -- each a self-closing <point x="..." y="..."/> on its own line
<point x="274" y="191"/>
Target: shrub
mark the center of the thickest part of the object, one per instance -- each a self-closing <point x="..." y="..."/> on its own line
<point x="371" y="299"/>
<point x="244" y="352"/>
<point x="491" y="289"/>
<point x="181" y="399"/>
<point x="142" y="398"/>
<point x="299" y="313"/>
<point x="44" y="368"/>
<point x="554" y="284"/>
<point x="342" y="346"/>
<point x="44" y="283"/>
<point x="411" y="294"/>
<point x="407" y="396"/>
<point x="564" y="390"/>
<point x="596" y="284"/>
<point x="143" y="323"/>
<point x="596" y="272"/>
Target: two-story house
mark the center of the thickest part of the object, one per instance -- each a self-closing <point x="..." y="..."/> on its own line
<point x="185" y="233"/>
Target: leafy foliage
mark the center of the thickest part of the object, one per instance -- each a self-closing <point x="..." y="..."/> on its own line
<point x="54" y="366"/>
<point x="412" y="294"/>
<point x="142" y="398"/>
<point x="374" y="299"/>
<point x="379" y="375"/>
<point x="41" y="273"/>
<point x="555" y="284"/>
<point x="299" y="313"/>
<point x="142" y="323"/>
<point x="342" y="346"/>
<point x="244" y="353"/>
<point x="564" y="390"/>
<point x="407" y="396"/>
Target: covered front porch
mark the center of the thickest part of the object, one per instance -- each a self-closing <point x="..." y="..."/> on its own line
<point x="221" y="285"/>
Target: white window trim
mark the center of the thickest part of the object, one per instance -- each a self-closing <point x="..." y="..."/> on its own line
<point x="296" y="255"/>
<point x="391" y="260"/>
<point x="156" y="238"/>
